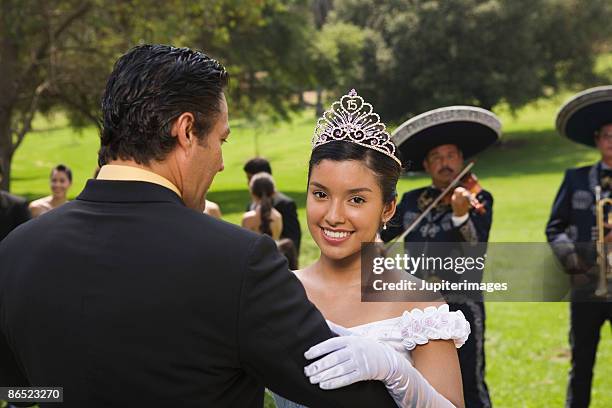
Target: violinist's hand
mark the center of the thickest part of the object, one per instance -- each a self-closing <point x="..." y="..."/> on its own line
<point x="460" y="201"/>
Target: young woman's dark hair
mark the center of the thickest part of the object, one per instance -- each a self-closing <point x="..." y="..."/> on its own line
<point x="287" y="248"/>
<point x="150" y="87"/>
<point x="262" y="187"/>
<point x="65" y="169"/>
<point x="386" y="169"/>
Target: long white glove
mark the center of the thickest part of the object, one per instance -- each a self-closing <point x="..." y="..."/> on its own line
<point x="354" y="358"/>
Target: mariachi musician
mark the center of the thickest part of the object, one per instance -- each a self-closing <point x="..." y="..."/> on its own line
<point x="438" y="142"/>
<point x="571" y="230"/>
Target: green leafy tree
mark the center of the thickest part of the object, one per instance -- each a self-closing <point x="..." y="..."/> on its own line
<point x="433" y="53"/>
<point x="31" y="37"/>
<point x="57" y="55"/>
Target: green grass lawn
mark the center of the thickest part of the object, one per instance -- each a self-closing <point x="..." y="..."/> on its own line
<point x="527" y="347"/>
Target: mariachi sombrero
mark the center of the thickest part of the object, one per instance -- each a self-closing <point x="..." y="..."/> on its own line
<point x="586" y="112"/>
<point x="470" y="128"/>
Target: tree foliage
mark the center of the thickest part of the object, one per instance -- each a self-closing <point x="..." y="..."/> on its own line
<point x="57" y="55"/>
<point x="406" y="56"/>
<point x="433" y="53"/>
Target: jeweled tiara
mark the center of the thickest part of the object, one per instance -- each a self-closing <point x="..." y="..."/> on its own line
<point x="353" y="120"/>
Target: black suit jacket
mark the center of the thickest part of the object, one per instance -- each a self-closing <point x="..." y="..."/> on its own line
<point x="127" y="297"/>
<point x="13" y="211"/>
<point x="291" y="225"/>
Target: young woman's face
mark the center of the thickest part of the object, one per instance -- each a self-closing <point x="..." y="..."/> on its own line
<point x="59" y="183"/>
<point x="344" y="207"/>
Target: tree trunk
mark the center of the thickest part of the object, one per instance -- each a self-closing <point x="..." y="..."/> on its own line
<point x="6" y="149"/>
<point x="319" y="109"/>
<point x="9" y="46"/>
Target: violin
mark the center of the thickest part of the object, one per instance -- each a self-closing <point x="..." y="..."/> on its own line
<point x="469" y="181"/>
<point x="465" y="179"/>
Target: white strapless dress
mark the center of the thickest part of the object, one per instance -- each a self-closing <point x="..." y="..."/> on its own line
<point x="413" y="328"/>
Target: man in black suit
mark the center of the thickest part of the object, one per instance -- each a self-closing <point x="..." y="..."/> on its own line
<point x="129" y="295"/>
<point x="282" y="203"/>
<point x="13" y="210"/>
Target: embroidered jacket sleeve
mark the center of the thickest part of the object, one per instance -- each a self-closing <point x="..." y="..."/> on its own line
<point x="563" y="245"/>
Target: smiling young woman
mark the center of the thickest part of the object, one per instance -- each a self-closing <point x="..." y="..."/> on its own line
<point x="352" y="177"/>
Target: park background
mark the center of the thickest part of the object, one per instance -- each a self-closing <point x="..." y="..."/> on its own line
<point x="288" y="60"/>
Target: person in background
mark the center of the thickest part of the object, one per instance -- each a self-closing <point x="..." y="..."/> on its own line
<point x="13" y="210"/>
<point x="438" y="141"/>
<point x="263" y="218"/>
<point x="60" y="181"/>
<point x="286" y="247"/>
<point x="282" y="203"/>
<point x="571" y="231"/>
<point x="213" y="209"/>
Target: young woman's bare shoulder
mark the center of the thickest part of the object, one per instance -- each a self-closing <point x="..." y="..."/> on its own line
<point x="39" y="206"/>
<point x="299" y="273"/>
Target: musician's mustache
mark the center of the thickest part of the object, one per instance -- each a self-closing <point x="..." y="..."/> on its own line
<point x="445" y="170"/>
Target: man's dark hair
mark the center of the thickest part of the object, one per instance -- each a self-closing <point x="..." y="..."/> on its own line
<point x="64" y="168"/>
<point x="149" y="88"/>
<point x="257" y="165"/>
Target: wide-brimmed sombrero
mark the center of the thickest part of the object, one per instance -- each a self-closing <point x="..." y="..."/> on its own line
<point x="470" y="128"/>
<point x="585" y="113"/>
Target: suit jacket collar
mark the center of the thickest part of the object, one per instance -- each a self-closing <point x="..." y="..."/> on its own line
<point x="127" y="192"/>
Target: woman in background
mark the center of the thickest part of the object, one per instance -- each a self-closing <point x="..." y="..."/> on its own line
<point x="264" y="218"/>
<point x="60" y="181"/>
<point x="213" y="209"/>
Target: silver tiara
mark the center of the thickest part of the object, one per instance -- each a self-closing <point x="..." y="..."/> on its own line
<point x="352" y="120"/>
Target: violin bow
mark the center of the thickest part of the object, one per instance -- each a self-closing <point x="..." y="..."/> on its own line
<point x="435" y="202"/>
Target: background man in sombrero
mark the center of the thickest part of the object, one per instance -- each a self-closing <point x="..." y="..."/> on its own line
<point x="587" y="119"/>
<point x="438" y="141"/>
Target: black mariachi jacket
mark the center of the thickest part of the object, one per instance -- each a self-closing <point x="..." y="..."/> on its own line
<point x="437" y="227"/>
<point x="571" y="228"/>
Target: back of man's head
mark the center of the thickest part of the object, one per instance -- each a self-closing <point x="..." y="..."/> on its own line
<point x="257" y="165"/>
<point x="149" y="88"/>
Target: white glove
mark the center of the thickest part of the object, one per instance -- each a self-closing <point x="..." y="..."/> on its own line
<point x="354" y="358"/>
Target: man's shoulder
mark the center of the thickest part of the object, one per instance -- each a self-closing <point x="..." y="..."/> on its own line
<point x="178" y="224"/>
<point x="485" y="193"/>
<point x="578" y="175"/>
<point x="9" y="199"/>
<point x="204" y="227"/>
<point x="280" y="198"/>
<point x="413" y="194"/>
<point x="579" y="171"/>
